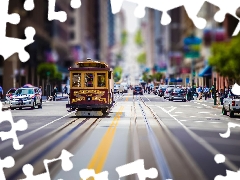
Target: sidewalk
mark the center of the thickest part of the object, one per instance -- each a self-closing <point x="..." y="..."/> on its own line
<point x="209" y="102"/>
<point x="59" y="97"/>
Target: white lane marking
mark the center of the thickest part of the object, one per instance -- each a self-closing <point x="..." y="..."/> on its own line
<point x="185" y="105"/>
<point x="172" y="109"/>
<point x="179" y="112"/>
<point x="203" y="112"/>
<point x="198" y="121"/>
<point x="6" y="144"/>
<point x="215" y="122"/>
<point x="174" y="115"/>
<point x="202" y="141"/>
<point x="183" y="120"/>
<point x="193" y="116"/>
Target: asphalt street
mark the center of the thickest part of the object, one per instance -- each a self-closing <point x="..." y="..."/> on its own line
<point x="179" y="139"/>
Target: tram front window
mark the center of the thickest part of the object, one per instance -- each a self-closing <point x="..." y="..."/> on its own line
<point x="89" y="80"/>
<point x="76" y="80"/>
<point x="101" y="79"/>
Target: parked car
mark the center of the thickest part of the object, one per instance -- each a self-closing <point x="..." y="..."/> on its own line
<point x="161" y="91"/>
<point x="167" y="92"/>
<point x="26" y="97"/>
<point x="231" y="104"/>
<point x="116" y="88"/>
<point x="138" y="90"/>
<point x="177" y="94"/>
<point x="10" y="93"/>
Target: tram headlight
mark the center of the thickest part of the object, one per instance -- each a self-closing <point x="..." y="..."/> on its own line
<point x="89" y="98"/>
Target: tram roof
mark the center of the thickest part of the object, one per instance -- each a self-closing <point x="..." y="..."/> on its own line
<point x="91" y="63"/>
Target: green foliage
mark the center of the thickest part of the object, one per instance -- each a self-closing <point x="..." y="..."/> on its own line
<point x="142" y="58"/>
<point x="138" y="38"/>
<point x="145" y="77"/>
<point x="124" y="36"/>
<point x="158" y="76"/>
<point x="44" y="69"/>
<point x="117" y="73"/>
<point x="226" y="58"/>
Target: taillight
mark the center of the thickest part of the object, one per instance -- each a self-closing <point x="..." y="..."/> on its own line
<point x="233" y="103"/>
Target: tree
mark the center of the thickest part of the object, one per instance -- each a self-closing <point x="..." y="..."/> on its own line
<point x="48" y="69"/>
<point x="142" y="58"/>
<point x="138" y="38"/>
<point x="158" y="76"/>
<point x="226" y="58"/>
<point x="117" y="72"/>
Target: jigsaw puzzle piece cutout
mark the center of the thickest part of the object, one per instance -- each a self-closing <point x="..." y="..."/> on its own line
<point x="20" y="125"/>
<point x="14" y="45"/>
<point x="227" y="134"/>
<point x="75" y="4"/>
<point x="67" y="165"/>
<point x="225" y="8"/>
<point x="192" y="8"/>
<point x="87" y="173"/>
<point x="28" y="171"/>
<point x="7" y="162"/>
<point x="52" y="15"/>
<point x="29" y="5"/>
<point x="137" y="167"/>
<point x="230" y="175"/>
<point x="5" y="17"/>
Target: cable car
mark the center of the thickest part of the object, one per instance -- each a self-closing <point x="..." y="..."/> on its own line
<point x="91" y="88"/>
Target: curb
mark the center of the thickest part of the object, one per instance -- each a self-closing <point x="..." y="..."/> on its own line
<point x="5" y="108"/>
<point x="217" y="106"/>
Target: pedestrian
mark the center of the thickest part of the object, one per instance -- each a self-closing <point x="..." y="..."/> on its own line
<point x="65" y="89"/>
<point x="40" y="92"/>
<point x="1" y="92"/>
<point x="54" y="93"/>
<point x="205" y="91"/>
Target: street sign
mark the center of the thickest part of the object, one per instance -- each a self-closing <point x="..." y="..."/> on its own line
<point x="192" y="47"/>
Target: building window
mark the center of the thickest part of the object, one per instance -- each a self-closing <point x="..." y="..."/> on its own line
<point x="72" y="35"/>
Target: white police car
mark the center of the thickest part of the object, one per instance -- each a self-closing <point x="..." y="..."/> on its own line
<point x="26" y="97"/>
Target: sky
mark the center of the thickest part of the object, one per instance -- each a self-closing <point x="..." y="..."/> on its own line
<point x="131" y="20"/>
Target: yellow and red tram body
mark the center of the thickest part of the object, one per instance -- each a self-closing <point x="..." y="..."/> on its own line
<point x="91" y="88"/>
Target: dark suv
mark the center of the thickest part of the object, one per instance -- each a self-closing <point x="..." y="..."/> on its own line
<point x="137" y="90"/>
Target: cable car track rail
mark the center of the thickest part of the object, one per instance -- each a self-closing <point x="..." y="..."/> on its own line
<point x="45" y="148"/>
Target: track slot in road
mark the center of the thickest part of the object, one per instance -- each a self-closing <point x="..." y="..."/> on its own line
<point x="43" y="147"/>
<point x="157" y="150"/>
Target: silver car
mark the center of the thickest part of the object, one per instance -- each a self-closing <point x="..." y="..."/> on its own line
<point x="177" y="94"/>
<point x="167" y="92"/>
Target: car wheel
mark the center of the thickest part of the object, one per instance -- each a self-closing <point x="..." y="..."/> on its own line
<point x="231" y="114"/>
<point x="12" y="108"/>
<point x="20" y="108"/>
<point x="224" y="112"/>
<point x="33" y="106"/>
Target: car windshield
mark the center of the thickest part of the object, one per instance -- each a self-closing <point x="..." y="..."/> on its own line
<point x="138" y="88"/>
<point x="179" y="90"/>
<point x="24" y="91"/>
<point x="12" y="91"/>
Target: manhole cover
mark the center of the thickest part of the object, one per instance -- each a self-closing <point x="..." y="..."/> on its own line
<point x="213" y="119"/>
